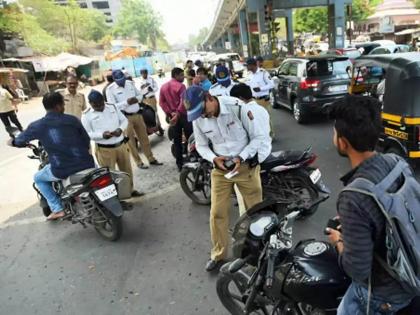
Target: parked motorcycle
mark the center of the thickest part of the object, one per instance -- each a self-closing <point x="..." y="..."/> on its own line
<point x="271" y="277"/>
<point x="91" y="196"/>
<point x="286" y="177"/>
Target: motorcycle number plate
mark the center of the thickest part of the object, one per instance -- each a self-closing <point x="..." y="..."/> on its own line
<point x="106" y="192"/>
<point x="315" y="176"/>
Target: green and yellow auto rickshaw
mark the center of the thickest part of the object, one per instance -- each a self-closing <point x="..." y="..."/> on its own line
<point x="401" y="99"/>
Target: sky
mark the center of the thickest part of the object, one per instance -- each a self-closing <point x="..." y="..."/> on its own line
<point x="184" y="17"/>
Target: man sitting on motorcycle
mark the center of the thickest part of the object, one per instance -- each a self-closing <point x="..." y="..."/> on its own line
<point x="67" y="144"/>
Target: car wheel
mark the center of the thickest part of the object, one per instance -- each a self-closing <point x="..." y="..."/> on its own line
<point x="298" y="115"/>
<point x="273" y="100"/>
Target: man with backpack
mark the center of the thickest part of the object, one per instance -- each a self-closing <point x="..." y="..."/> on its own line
<point x="378" y="213"/>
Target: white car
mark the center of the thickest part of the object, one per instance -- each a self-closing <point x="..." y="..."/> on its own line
<point x="238" y="66"/>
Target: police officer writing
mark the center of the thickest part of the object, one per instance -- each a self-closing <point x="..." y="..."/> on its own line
<point x="126" y="97"/>
<point x="228" y="125"/>
<point x="260" y="82"/>
<point x="105" y="125"/>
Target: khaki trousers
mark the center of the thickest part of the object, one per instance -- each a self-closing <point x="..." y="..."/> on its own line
<point x="120" y="156"/>
<point x="248" y="182"/>
<point x="266" y="104"/>
<point x="153" y="104"/>
<point x="137" y="127"/>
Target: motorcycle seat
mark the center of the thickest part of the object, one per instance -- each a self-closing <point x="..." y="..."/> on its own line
<point x="76" y="178"/>
<point x="281" y="158"/>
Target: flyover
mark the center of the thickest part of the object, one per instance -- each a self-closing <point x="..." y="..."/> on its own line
<point x="244" y="25"/>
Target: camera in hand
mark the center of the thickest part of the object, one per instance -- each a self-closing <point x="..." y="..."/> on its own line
<point x="229" y="165"/>
<point x="333" y="224"/>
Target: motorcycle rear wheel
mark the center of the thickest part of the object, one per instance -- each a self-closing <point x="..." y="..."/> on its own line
<point x="186" y="179"/>
<point x="233" y="301"/>
<point x="111" y="229"/>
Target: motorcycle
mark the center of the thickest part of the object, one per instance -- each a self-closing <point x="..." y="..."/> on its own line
<point x="286" y="177"/>
<point x="91" y="196"/>
<point x="271" y="277"/>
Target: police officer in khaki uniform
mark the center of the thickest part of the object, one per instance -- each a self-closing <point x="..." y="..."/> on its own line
<point x="74" y="102"/>
<point x="126" y="97"/>
<point x="228" y="124"/>
<point x="105" y="125"/>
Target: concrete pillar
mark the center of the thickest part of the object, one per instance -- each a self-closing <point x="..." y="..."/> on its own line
<point x="336" y="24"/>
<point x="243" y="29"/>
<point x="289" y="28"/>
<point x="231" y="40"/>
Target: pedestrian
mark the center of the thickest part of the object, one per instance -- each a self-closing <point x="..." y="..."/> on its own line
<point x="109" y="81"/>
<point x="202" y="79"/>
<point x="74" y="101"/>
<point x="149" y="88"/>
<point x="126" y="97"/>
<point x="67" y="144"/>
<point x="8" y="110"/>
<point x="227" y="123"/>
<point x="260" y="82"/>
<point x="189" y="72"/>
<point x="105" y="125"/>
<point x="360" y="239"/>
<point x="171" y="102"/>
<point x="224" y="82"/>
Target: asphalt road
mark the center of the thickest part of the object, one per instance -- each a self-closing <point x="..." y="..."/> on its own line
<point x="157" y="267"/>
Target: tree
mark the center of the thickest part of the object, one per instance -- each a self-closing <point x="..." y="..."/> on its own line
<point x="195" y="40"/>
<point x="138" y="19"/>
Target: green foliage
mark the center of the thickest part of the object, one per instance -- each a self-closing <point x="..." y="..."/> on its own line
<point x="311" y="20"/>
<point x="138" y="19"/>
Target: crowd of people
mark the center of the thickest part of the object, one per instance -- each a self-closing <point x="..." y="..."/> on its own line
<point x="233" y="130"/>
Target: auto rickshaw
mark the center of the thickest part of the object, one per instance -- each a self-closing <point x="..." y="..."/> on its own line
<point x="401" y="100"/>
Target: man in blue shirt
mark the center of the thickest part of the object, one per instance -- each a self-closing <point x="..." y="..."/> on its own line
<point x="67" y="144"/>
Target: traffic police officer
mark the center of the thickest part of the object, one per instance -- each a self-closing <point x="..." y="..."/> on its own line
<point x="228" y="125"/>
<point x="126" y="97"/>
<point x="105" y="125"/>
<point x="149" y="87"/>
<point x="224" y="82"/>
<point x="260" y="83"/>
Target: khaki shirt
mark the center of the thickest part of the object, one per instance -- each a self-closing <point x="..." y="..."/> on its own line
<point x="74" y="104"/>
<point x="5" y="101"/>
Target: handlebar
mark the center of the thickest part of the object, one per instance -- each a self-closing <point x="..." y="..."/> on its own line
<point x="271" y="257"/>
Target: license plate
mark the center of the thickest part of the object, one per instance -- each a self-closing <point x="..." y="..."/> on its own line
<point x="315" y="176"/>
<point x="106" y="193"/>
<point x="337" y="88"/>
<point x="396" y="133"/>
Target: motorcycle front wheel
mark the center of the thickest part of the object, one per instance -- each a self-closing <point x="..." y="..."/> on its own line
<point x="233" y="296"/>
<point x="109" y="227"/>
<point x="196" y="185"/>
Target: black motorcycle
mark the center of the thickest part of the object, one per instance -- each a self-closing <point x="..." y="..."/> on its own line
<point x="286" y="177"/>
<point x="89" y="197"/>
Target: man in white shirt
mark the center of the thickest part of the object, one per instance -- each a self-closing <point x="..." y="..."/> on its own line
<point x="105" y="125"/>
<point x="126" y="97"/>
<point x="227" y="124"/>
<point x="260" y="82"/>
<point x="149" y="88"/>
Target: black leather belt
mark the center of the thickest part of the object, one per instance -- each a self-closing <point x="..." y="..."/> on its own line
<point x="129" y="114"/>
<point x="115" y="145"/>
<point x="267" y="97"/>
<point x="149" y="97"/>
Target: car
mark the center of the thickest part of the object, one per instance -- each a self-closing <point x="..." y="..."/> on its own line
<point x="309" y="85"/>
<point x="352" y="53"/>
<point x="237" y="64"/>
<point x="393" y="49"/>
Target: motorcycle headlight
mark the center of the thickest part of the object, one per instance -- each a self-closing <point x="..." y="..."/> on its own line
<point x="261" y="225"/>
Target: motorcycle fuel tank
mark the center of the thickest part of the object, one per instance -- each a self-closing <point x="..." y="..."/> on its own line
<point x="314" y="276"/>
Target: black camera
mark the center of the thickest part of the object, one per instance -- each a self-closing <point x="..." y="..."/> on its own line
<point x="333" y="224"/>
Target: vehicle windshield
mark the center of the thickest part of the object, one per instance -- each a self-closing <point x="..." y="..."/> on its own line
<point x="234" y="57"/>
<point x="352" y="54"/>
<point x="320" y="68"/>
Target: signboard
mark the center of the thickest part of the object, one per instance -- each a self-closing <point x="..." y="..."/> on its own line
<point x="228" y="45"/>
<point x="386" y="25"/>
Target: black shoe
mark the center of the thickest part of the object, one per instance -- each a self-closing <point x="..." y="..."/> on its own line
<point x="161" y="132"/>
<point x="156" y="163"/>
<point x="142" y="166"/>
<point x="136" y="193"/>
<point x="213" y="265"/>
